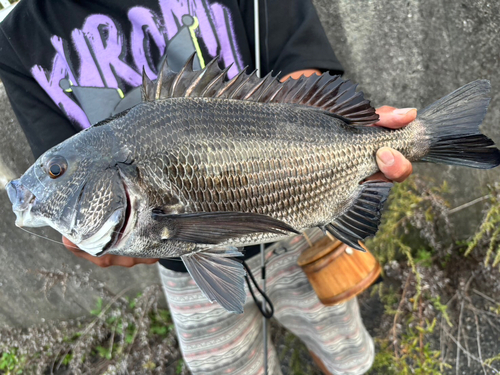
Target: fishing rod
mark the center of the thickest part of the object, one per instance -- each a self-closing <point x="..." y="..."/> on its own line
<point x="256" y="19"/>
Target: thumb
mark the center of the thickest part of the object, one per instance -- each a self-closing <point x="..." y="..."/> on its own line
<point x="393" y="164"/>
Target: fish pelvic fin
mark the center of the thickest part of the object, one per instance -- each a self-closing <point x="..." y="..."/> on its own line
<point x="452" y="127"/>
<point x="220" y="277"/>
<point x="329" y="93"/>
<point x="362" y="219"/>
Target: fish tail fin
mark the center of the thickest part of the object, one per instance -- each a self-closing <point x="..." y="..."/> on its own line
<point x="452" y="125"/>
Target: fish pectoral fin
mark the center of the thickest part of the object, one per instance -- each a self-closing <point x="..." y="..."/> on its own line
<point x="219" y="277"/>
<point x="362" y="219"/>
<point x="215" y="227"/>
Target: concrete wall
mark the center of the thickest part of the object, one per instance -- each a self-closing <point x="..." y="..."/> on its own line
<point x="408" y="53"/>
<point x="403" y="53"/>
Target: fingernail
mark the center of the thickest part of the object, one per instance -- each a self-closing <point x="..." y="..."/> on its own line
<point x="403" y="111"/>
<point x="385" y="156"/>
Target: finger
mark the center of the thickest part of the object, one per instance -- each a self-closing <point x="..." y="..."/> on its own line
<point x="101" y="262"/>
<point x="69" y="245"/>
<point x="124" y="261"/>
<point x="107" y="260"/>
<point x="395" y="118"/>
<point x="130" y="262"/>
<point x="84" y="255"/>
<point x="149" y="261"/>
<point x="393" y="164"/>
<point x="379" y="176"/>
<point x="76" y="251"/>
<point x="300" y="73"/>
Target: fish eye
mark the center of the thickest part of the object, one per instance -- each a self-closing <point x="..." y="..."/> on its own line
<point x="56" y="166"/>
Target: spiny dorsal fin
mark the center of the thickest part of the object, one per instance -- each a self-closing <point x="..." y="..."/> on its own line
<point x="326" y="92"/>
<point x="148" y="88"/>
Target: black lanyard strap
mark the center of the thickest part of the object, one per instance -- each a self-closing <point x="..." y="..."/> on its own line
<point x="266" y="313"/>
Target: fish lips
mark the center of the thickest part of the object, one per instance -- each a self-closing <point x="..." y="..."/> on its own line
<point x="25" y="218"/>
<point x="22" y="201"/>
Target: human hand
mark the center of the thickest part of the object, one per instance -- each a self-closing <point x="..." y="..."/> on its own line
<point x="393" y="165"/>
<point x="300" y="73"/>
<point x="107" y="259"/>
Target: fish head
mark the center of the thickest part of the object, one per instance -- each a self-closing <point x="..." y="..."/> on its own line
<point x="75" y="188"/>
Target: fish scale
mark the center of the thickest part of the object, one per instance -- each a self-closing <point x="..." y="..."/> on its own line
<point x="205" y="165"/>
<point x="272" y="151"/>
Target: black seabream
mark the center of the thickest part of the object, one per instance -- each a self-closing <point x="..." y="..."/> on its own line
<point x="204" y="166"/>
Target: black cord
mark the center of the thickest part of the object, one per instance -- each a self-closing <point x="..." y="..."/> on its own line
<point x="268" y="314"/>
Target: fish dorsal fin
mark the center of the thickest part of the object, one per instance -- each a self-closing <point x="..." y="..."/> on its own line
<point x="326" y="92"/>
<point x="362" y="219"/>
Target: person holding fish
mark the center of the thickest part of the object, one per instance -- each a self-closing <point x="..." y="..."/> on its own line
<point x="186" y="163"/>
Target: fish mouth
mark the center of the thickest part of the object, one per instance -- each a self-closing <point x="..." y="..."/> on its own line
<point x="24" y="216"/>
<point x="22" y="201"/>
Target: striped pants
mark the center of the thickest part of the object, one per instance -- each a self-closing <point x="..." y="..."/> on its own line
<point x="214" y="341"/>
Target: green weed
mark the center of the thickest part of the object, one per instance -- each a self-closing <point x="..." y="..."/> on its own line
<point x="11" y="362"/>
<point x="489" y="231"/>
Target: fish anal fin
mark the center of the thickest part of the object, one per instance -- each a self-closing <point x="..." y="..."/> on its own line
<point x="361" y="220"/>
<point x="220" y="278"/>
